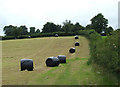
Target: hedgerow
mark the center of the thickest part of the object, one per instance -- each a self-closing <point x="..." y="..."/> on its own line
<point x="105" y="52"/>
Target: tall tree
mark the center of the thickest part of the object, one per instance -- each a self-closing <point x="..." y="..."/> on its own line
<point x="108" y="30"/>
<point x="15" y="31"/>
<point x="23" y="30"/>
<point x="8" y="30"/>
<point x="37" y="31"/>
<point x="77" y="27"/>
<point x="99" y="23"/>
<point x="58" y="28"/>
<point x="50" y="27"/>
<point x="67" y="26"/>
<point x="88" y="27"/>
<point x="11" y="31"/>
<point x="32" y="30"/>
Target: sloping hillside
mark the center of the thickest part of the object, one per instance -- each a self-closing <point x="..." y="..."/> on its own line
<point x="39" y="49"/>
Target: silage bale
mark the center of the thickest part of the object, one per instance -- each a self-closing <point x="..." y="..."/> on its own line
<point x="72" y="50"/>
<point x="56" y="35"/>
<point x="62" y="58"/>
<point x="52" y="61"/>
<point x="76" y="37"/>
<point x="27" y="64"/>
<point x="29" y="36"/>
<point x="77" y="44"/>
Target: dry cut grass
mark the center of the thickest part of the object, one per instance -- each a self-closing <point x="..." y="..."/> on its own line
<point x="37" y="49"/>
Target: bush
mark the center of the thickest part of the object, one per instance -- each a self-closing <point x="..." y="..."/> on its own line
<point x="94" y="38"/>
<point x="46" y="34"/>
<point x="23" y="36"/>
<point x="86" y="33"/>
<point x="111" y="52"/>
<point x="35" y="35"/>
<point x="8" y="37"/>
<point x="105" y="52"/>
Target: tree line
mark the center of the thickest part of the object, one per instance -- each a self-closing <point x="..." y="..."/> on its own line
<point x="98" y="23"/>
<point x="16" y="31"/>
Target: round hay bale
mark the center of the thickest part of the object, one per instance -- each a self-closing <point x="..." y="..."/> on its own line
<point x="76" y="37"/>
<point x="62" y="58"/>
<point x="56" y="35"/>
<point x="27" y="64"/>
<point x="77" y="44"/>
<point x="29" y="36"/>
<point x="72" y="50"/>
<point x="52" y="61"/>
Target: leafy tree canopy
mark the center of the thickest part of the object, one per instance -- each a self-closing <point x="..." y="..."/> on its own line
<point x="99" y="23"/>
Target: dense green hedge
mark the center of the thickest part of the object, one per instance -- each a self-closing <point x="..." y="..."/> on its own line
<point x="105" y="52"/>
<point x="7" y="37"/>
<point x="23" y="36"/>
<point x="43" y="35"/>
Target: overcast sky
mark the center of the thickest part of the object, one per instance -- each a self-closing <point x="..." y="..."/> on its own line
<point x="35" y="13"/>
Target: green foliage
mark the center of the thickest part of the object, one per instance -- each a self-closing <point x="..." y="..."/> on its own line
<point x="70" y="27"/>
<point x="99" y="23"/>
<point x="15" y="31"/>
<point x="77" y="27"/>
<point x="35" y="35"/>
<point x="23" y="36"/>
<point x="7" y="30"/>
<point x="67" y="26"/>
<point x="86" y="33"/>
<point x="32" y="30"/>
<point x="23" y="30"/>
<point x="105" y="52"/>
<point x="37" y="31"/>
<point x="11" y="31"/>
<point x="8" y="37"/>
<point x="88" y="27"/>
<point x="108" y="30"/>
<point x="104" y="37"/>
<point x="50" y="27"/>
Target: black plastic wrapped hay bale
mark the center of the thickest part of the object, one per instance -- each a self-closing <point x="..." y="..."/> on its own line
<point x="62" y="58"/>
<point x="52" y="61"/>
<point x="76" y="37"/>
<point x="29" y="36"/>
<point x="72" y="50"/>
<point x="27" y="64"/>
<point x="56" y="35"/>
<point x="77" y="44"/>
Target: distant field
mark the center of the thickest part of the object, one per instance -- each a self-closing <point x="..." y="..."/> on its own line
<point x="76" y="71"/>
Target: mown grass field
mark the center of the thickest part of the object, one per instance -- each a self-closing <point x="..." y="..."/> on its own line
<point x="75" y="72"/>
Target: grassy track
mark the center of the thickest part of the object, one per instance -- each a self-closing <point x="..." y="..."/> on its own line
<point x="76" y="71"/>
